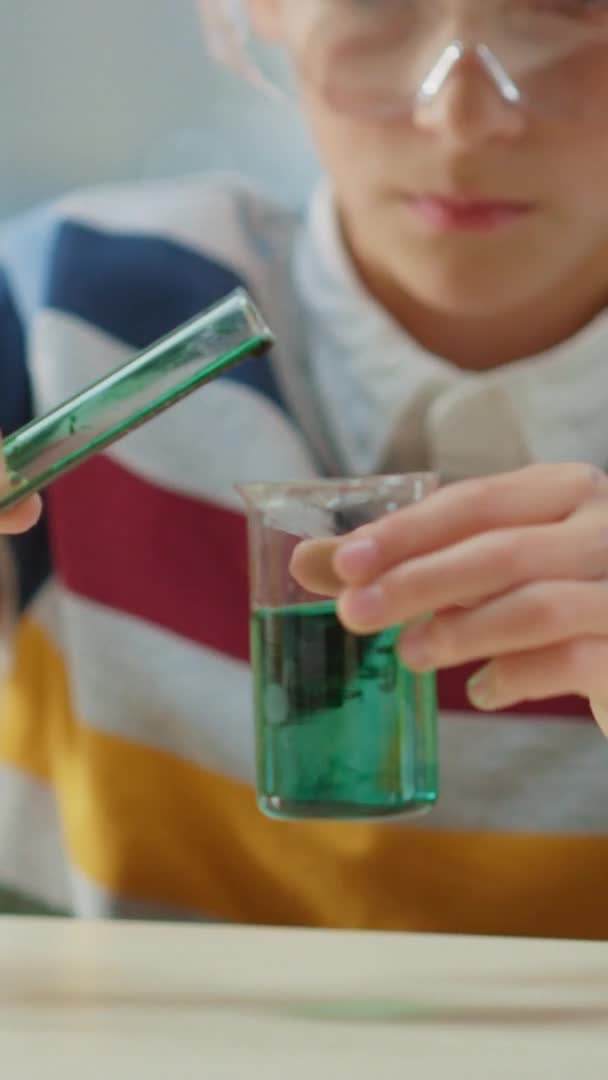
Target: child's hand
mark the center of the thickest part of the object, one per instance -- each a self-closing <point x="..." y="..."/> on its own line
<point x="21" y="517"/>
<point x="514" y="568"/>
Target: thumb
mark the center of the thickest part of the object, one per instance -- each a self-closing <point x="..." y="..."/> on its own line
<point x="25" y="514"/>
<point x="600" y="712"/>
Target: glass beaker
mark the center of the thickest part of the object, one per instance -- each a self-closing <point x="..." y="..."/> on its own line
<point x="343" y="728"/>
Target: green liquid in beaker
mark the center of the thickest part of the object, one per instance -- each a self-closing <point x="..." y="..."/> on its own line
<point x="343" y="729"/>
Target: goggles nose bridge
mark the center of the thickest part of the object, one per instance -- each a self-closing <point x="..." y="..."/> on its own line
<point x="453" y="54"/>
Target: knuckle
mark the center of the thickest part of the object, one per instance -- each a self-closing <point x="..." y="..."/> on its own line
<point x="387" y="530"/>
<point x="575" y="656"/>
<point x="585" y="535"/>
<point x="546" y="609"/>
<point x="408" y="581"/>
<point x="482" y="500"/>
<point x="509" y="555"/>
<point x="442" y="640"/>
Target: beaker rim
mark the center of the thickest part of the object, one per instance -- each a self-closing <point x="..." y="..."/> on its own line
<point x="258" y="492"/>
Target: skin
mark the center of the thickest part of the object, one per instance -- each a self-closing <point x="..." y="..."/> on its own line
<point x="22" y="517"/>
<point x="515" y="566"/>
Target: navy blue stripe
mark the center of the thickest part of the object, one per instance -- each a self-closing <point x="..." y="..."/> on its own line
<point x="15" y="398"/>
<point x="137" y="288"/>
<point x="31" y="550"/>
<point x="33" y="560"/>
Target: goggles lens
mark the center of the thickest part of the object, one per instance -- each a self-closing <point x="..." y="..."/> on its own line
<point x="382" y="57"/>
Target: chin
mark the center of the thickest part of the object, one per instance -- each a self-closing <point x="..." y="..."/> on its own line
<point x="470" y="289"/>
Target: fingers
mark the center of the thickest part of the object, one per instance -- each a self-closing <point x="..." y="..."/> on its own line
<point x="530" y="618"/>
<point x="21" y="517"/>
<point x="539" y="494"/>
<point x="600" y="714"/>
<point x="483" y="566"/>
<point x="24" y="515"/>
<point x="515" y="568"/>
<point x="572" y="667"/>
<point x="312" y="566"/>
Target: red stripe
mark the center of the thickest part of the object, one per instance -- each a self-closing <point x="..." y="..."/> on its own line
<point x="181" y="563"/>
<point x="177" y="562"/>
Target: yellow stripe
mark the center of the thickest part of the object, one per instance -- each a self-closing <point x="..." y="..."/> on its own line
<point x="151" y="827"/>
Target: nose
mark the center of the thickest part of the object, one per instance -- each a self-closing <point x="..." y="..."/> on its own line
<point x="469" y="98"/>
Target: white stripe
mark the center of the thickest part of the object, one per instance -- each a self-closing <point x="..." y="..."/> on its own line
<point x="221" y="435"/>
<point x="32" y="855"/>
<point x="221" y="215"/>
<point x="45" y="610"/>
<point x="509" y="773"/>
<point x="139" y="682"/>
<point x="522" y="774"/>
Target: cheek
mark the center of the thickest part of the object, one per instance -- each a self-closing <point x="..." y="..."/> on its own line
<point x="350" y="151"/>
<point x="577" y="170"/>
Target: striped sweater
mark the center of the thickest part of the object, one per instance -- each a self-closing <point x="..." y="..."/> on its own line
<point x="126" y="739"/>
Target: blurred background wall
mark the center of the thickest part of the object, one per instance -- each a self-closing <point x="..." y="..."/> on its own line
<point x="97" y="90"/>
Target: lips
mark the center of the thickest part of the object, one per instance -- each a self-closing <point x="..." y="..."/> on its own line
<point x="458" y="212"/>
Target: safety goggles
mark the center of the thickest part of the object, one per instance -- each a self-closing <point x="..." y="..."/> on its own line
<point x="387" y="58"/>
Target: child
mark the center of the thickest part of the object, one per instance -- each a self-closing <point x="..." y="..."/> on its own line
<point x="441" y="307"/>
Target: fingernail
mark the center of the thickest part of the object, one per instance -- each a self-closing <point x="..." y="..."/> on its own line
<point x="356" y="557"/>
<point x="481" y="688"/>
<point x="415" y="647"/>
<point x="600" y="712"/>
<point x="363" y="605"/>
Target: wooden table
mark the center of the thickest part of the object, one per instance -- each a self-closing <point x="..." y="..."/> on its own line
<point x="132" y="1000"/>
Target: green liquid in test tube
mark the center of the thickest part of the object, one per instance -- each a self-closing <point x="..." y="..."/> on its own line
<point x="134" y="393"/>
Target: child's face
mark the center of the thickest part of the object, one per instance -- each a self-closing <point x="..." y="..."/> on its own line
<point x="544" y="174"/>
